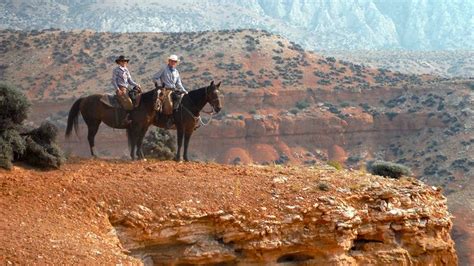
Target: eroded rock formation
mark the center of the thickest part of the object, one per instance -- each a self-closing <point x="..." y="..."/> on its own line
<point x="374" y="221"/>
<point x="95" y="212"/>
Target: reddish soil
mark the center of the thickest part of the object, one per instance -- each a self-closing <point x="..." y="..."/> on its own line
<point x="63" y="215"/>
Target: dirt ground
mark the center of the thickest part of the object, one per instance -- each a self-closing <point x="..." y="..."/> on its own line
<point x="64" y="216"/>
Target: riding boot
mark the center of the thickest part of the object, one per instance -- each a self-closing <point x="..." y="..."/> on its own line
<point x="178" y="101"/>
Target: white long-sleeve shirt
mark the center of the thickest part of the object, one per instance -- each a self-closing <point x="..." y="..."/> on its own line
<point x="169" y="78"/>
<point x="121" y="78"/>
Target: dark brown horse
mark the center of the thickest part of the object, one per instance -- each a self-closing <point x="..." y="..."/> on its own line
<point x="95" y="112"/>
<point x="186" y="117"/>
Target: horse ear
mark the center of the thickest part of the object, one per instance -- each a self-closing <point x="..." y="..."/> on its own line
<point x="218" y="84"/>
<point x="212" y="82"/>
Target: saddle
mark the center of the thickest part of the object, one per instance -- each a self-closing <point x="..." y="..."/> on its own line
<point x="110" y="100"/>
<point x="126" y="102"/>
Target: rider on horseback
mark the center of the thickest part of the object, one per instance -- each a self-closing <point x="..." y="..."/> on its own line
<point x="168" y="78"/>
<point x="121" y="79"/>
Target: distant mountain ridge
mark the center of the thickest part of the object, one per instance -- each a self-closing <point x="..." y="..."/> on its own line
<point x="315" y="24"/>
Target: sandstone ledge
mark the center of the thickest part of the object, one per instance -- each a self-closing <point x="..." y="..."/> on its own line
<point x="368" y="220"/>
<point x="119" y="212"/>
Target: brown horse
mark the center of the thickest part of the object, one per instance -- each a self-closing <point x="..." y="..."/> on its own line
<point x="186" y="117"/>
<point x="95" y="112"/>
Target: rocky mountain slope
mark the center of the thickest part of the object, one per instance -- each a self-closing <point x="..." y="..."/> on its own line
<point x="118" y="212"/>
<point x="275" y="92"/>
<point x="337" y="24"/>
<point x="282" y="104"/>
<point x="449" y="64"/>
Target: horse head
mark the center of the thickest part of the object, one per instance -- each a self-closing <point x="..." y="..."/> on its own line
<point x="213" y="96"/>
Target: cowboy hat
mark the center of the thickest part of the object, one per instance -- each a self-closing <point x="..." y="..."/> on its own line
<point x="121" y="58"/>
<point x="173" y="57"/>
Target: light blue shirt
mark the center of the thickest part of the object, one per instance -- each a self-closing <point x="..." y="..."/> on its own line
<point x="169" y="78"/>
<point x="121" y="78"/>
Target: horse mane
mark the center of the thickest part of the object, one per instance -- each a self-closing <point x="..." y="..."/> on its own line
<point x="197" y="94"/>
<point x="149" y="96"/>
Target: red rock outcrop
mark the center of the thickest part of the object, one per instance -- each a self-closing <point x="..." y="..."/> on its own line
<point x="337" y="153"/>
<point x="371" y="221"/>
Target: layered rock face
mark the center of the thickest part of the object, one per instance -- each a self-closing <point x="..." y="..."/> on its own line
<point x="362" y="132"/>
<point x="371" y="222"/>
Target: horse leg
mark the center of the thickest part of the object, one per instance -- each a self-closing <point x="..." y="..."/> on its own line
<point x="187" y="137"/>
<point x="140" y="154"/>
<point x="180" y="132"/>
<point x="92" y="128"/>
<point x="132" y="152"/>
<point x="132" y="141"/>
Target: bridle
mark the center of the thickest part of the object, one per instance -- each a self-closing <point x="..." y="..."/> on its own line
<point x="214" y="102"/>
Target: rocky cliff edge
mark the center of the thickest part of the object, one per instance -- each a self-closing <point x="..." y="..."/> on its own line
<point x="94" y="211"/>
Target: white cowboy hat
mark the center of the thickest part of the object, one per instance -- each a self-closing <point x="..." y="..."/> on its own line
<point x="173" y="57"/>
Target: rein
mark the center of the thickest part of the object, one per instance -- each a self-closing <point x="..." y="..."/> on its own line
<point x="199" y="118"/>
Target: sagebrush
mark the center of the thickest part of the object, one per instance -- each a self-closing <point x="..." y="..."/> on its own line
<point x="159" y="144"/>
<point x="37" y="147"/>
<point x="388" y="169"/>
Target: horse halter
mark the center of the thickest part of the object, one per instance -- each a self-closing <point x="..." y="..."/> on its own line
<point x="215" y="102"/>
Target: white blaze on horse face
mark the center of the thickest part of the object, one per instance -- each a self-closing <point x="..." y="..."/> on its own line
<point x="218" y="98"/>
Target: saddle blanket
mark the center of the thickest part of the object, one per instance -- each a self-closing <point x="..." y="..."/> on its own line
<point x="111" y="100"/>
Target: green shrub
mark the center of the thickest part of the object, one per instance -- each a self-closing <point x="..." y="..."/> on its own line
<point x="391" y="115"/>
<point x="323" y="186"/>
<point x="12" y="146"/>
<point x="388" y="169"/>
<point x="159" y="144"/>
<point x="302" y="104"/>
<point x="41" y="148"/>
<point x="294" y="111"/>
<point x="42" y="155"/>
<point x="353" y="159"/>
<point x="36" y="147"/>
<point x="336" y="165"/>
<point x="14" y="107"/>
<point x="13" y="111"/>
<point x="345" y="104"/>
<point x="46" y="133"/>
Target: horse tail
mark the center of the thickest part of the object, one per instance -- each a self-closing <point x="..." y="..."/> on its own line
<point x="73" y="117"/>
